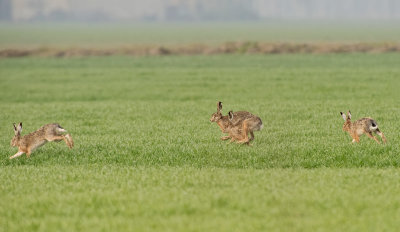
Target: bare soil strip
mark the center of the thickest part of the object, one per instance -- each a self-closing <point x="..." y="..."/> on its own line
<point x="201" y="49"/>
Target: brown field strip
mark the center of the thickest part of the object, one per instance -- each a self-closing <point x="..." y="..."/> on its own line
<point x="201" y="49"/>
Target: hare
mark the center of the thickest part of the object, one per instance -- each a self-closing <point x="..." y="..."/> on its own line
<point x="223" y="121"/>
<point x="234" y="129"/>
<point x="28" y="143"/>
<point x="241" y="128"/>
<point x="361" y="126"/>
<point x="234" y="125"/>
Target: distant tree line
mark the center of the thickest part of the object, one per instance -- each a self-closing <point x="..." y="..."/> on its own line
<point x="197" y="10"/>
<point x="5" y="10"/>
<point x="329" y="9"/>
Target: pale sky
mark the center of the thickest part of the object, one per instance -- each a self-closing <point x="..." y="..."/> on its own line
<point x="198" y="10"/>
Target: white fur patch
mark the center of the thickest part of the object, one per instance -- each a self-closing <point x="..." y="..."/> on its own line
<point x="372" y="128"/>
<point x="61" y="130"/>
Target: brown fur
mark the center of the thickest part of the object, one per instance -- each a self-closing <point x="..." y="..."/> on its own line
<point x="223" y="121"/>
<point x="47" y="133"/>
<point x="237" y="124"/>
<point x="362" y="126"/>
<point x="241" y="128"/>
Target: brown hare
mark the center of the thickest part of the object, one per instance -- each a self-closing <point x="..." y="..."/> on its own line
<point x="223" y="121"/>
<point x="241" y="128"/>
<point x="361" y="126"/>
<point x="47" y="133"/>
<point x="233" y="124"/>
<point x="235" y="131"/>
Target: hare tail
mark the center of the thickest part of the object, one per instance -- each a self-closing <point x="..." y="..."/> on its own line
<point x="373" y="126"/>
<point x="60" y="129"/>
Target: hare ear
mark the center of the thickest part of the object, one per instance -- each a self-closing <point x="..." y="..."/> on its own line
<point x="230" y="114"/>
<point x="219" y="106"/>
<point x="343" y="116"/>
<point x="349" y="114"/>
<point x="19" y="127"/>
<point x="15" y="127"/>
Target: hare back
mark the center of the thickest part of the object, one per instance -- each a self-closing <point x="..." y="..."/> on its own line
<point x="239" y="116"/>
<point x="366" y="124"/>
<point x="31" y="142"/>
<point x="53" y="129"/>
<point x="254" y="123"/>
<point x="46" y="132"/>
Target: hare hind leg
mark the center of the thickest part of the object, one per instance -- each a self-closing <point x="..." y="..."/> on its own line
<point x="245" y="132"/>
<point x="247" y="143"/>
<point x="249" y="139"/>
<point x="380" y="133"/>
<point x="57" y="138"/>
<point x="369" y="134"/>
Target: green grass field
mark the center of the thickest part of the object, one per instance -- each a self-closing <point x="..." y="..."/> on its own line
<point x="148" y="159"/>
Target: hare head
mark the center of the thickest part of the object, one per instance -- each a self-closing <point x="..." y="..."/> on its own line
<point x="217" y="115"/>
<point x="347" y="121"/>
<point x="17" y="134"/>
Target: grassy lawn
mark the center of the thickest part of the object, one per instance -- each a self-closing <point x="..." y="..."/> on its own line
<point x="124" y="198"/>
<point x="148" y="159"/>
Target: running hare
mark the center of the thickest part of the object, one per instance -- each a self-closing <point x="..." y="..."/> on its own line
<point x="223" y="121"/>
<point x="240" y="129"/>
<point x="47" y="133"/>
<point x="361" y="126"/>
<point x="233" y="124"/>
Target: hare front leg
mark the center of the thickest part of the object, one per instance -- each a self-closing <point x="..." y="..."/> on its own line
<point x="369" y="134"/>
<point x="16" y="155"/>
<point x="252" y="136"/>
<point x="28" y="153"/>
<point x="70" y="140"/>
<point x="355" y="138"/>
<point x="225" y="137"/>
<point x="244" y="142"/>
<point x="231" y="141"/>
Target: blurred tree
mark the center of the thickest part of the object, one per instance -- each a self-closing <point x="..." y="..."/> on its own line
<point x="206" y="10"/>
<point x="5" y="10"/>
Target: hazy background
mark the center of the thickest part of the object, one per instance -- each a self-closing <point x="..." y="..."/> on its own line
<point x="195" y="10"/>
<point x="200" y="25"/>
